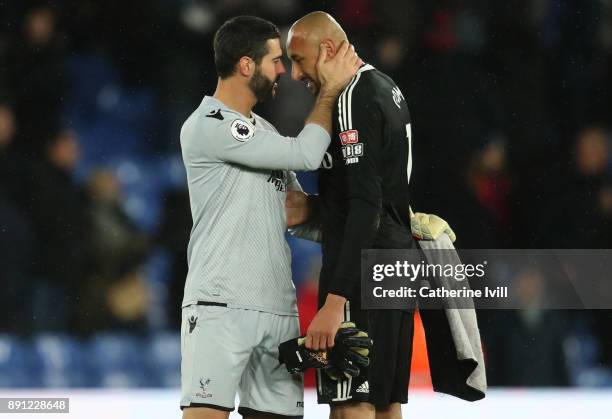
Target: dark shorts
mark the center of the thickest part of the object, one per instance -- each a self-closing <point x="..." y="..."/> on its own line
<point x="385" y="380"/>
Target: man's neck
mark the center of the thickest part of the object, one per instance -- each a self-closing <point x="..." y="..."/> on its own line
<point x="235" y="96"/>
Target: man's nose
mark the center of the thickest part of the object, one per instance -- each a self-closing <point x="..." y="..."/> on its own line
<point x="296" y="72"/>
<point x="280" y="68"/>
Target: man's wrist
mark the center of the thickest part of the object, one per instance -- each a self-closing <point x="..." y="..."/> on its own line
<point x="335" y="301"/>
<point x="328" y="93"/>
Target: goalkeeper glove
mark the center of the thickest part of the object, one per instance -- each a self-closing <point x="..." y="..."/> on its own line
<point x="350" y="352"/>
<point x="429" y="227"/>
<point x="297" y="358"/>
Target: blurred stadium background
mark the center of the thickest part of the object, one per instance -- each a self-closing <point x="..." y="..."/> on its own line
<point x="511" y="105"/>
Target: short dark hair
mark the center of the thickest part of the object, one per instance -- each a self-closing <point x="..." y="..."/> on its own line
<point x="241" y="36"/>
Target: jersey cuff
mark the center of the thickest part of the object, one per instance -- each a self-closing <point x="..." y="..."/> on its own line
<point x="341" y="291"/>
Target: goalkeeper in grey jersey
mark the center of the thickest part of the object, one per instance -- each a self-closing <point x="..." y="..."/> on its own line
<point x="239" y="301"/>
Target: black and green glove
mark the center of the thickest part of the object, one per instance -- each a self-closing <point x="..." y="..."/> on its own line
<point x="350" y="352"/>
<point x="297" y="358"/>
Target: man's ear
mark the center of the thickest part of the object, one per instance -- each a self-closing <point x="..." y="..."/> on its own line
<point x="330" y="47"/>
<point x="246" y="66"/>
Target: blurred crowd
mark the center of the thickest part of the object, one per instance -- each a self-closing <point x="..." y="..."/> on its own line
<point x="511" y="107"/>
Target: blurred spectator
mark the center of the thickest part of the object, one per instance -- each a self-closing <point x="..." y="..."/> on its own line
<point x="525" y="347"/>
<point x="7" y="148"/>
<point x="114" y="295"/>
<point x="581" y="217"/>
<point x="117" y="246"/>
<point x="36" y="80"/>
<point x="16" y="239"/>
<point x="58" y="210"/>
<point x="488" y="178"/>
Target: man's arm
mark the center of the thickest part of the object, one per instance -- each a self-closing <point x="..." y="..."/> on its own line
<point x="361" y="126"/>
<point x="235" y="140"/>
<point x="361" y="136"/>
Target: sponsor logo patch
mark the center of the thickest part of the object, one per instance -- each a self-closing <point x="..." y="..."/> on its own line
<point x="352" y="152"/>
<point x="349" y="137"/>
<point x="242" y="130"/>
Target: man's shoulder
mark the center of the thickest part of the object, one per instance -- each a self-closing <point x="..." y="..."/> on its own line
<point x="210" y="120"/>
<point x="359" y="82"/>
<point x="213" y="118"/>
<point x="212" y="112"/>
<point x="379" y="88"/>
<point x="262" y="122"/>
<point x="378" y="82"/>
<point x="368" y="85"/>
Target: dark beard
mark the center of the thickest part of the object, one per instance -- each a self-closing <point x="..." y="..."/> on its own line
<point x="261" y="86"/>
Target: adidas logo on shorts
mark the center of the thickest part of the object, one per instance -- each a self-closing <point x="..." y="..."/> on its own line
<point x="363" y="388"/>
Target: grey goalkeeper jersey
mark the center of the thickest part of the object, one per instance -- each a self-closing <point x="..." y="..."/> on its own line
<point x="238" y="172"/>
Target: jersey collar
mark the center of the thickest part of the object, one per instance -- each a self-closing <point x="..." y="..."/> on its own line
<point x="365" y="67"/>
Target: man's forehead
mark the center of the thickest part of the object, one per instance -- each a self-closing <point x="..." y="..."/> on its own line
<point x="274" y="47"/>
<point x="295" y="45"/>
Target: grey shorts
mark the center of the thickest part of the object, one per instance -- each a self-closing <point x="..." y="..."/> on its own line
<point x="228" y="351"/>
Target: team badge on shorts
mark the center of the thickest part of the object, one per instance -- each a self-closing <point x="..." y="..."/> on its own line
<point x="242" y="130"/>
<point x="204" y="394"/>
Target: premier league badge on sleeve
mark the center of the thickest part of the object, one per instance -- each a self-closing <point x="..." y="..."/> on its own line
<point x="242" y="130"/>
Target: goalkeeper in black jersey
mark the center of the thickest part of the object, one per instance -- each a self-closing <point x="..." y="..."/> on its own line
<point x="363" y="204"/>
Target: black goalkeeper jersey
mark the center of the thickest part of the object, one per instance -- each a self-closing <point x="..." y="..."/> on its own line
<point x="363" y="180"/>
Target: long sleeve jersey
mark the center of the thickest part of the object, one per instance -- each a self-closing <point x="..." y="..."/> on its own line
<point x="238" y="172"/>
<point x="363" y="180"/>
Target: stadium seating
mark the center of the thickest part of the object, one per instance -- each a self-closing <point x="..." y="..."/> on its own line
<point x="15" y="363"/>
<point x="164" y="358"/>
<point x="61" y="361"/>
<point x="118" y="360"/>
<point x="121" y="360"/>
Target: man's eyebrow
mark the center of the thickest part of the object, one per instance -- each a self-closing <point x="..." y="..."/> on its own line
<point x="295" y="57"/>
<point x="278" y="57"/>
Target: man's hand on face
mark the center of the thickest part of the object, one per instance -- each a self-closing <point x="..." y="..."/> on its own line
<point x="335" y="73"/>
<point x="323" y="328"/>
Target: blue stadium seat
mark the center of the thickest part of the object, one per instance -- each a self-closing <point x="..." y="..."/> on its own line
<point x="164" y="357"/>
<point x="170" y="172"/>
<point x="91" y="77"/>
<point x="142" y="193"/>
<point x="15" y="362"/>
<point x="62" y="361"/>
<point x="118" y="360"/>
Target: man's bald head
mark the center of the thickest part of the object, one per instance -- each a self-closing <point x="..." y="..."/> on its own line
<point x="317" y="27"/>
<point x="304" y="42"/>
